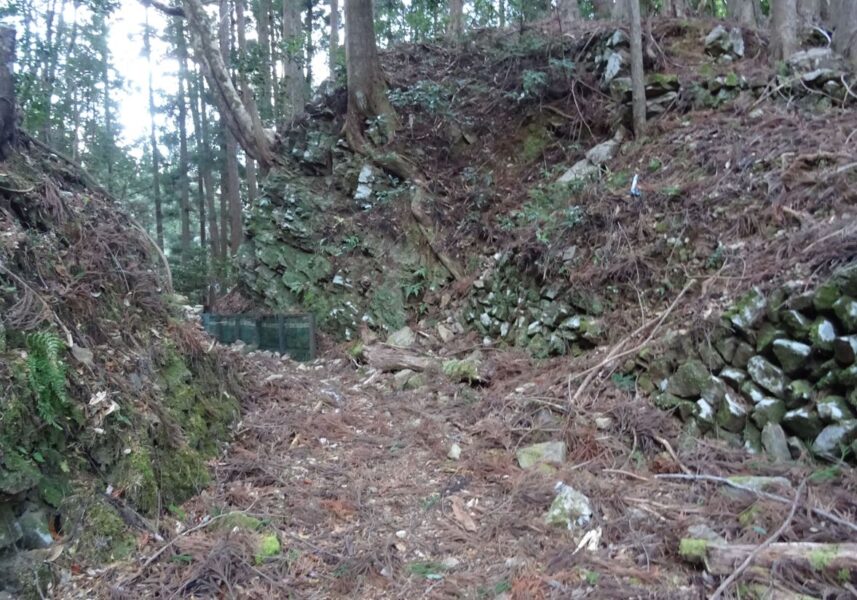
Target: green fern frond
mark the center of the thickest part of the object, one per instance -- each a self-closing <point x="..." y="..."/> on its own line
<point x="46" y="374"/>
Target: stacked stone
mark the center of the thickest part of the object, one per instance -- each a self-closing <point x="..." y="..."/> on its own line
<point x="505" y="307"/>
<point x="781" y="375"/>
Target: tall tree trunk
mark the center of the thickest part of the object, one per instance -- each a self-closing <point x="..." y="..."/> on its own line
<point x="501" y="12"/>
<point x="455" y="25"/>
<point x="7" y="90"/>
<point x="230" y="189"/>
<point x="334" y="38"/>
<point x="184" y="161"/>
<point x="602" y="8"/>
<point x="253" y="139"/>
<point x="621" y="10"/>
<point x="784" y="29"/>
<point x="153" y="140"/>
<point x="310" y="48"/>
<point x="263" y="31"/>
<point x="674" y="8"/>
<point x="201" y="154"/>
<point x="638" y="85"/>
<point x="367" y="90"/>
<point x="294" y="88"/>
<point x="746" y="12"/>
<point x="206" y="165"/>
<point x="808" y="13"/>
<point x="109" y="140"/>
<point x="569" y="12"/>
<point x="845" y="36"/>
<point x="248" y="99"/>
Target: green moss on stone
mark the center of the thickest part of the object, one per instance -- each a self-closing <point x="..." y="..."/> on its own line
<point x="693" y="550"/>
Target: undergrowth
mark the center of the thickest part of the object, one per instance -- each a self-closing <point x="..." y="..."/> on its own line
<point x="46" y="374"/>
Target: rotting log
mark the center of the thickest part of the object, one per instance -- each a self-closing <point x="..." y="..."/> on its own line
<point x="722" y="559"/>
<point x="7" y="89"/>
<point x="389" y="358"/>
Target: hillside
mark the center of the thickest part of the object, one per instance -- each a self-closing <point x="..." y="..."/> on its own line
<point x="558" y="360"/>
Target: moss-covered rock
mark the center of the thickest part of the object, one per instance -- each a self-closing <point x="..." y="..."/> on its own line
<point x="791" y="355"/>
<point x="769" y="410"/>
<point x="846" y="311"/>
<point x="689" y="380"/>
<point x="767" y="376"/>
<point x="802" y="422"/>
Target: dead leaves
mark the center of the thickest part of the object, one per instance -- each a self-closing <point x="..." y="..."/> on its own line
<point x="462" y="517"/>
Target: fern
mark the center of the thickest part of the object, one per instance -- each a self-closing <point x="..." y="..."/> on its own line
<point x="46" y="375"/>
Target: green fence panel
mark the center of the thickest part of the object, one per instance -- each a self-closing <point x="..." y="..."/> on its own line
<point x="293" y="335"/>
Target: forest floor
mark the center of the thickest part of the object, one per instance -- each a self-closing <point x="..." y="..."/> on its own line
<point x="353" y="480"/>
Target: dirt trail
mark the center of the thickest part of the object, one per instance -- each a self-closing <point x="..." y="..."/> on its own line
<point x="354" y="481"/>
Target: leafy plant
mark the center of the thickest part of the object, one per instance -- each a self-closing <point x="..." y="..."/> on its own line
<point x="427" y="569"/>
<point x="46" y="375"/>
<point x="624" y="381"/>
<point x="534" y="84"/>
<point x="427" y="95"/>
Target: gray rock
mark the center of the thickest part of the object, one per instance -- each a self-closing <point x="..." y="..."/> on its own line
<point x="797" y="447"/>
<point x="834" y="409"/>
<point x="833" y="439"/>
<point x="726" y="347"/>
<point x="767" y="375"/>
<point x="846" y="311"/>
<point x="748" y="311"/>
<point x="570" y="508"/>
<point x="769" y="410"/>
<point x="605" y="151"/>
<point x="845" y="350"/>
<point x="710" y="357"/>
<point x="813" y="58"/>
<point x="826" y="295"/>
<point x="545" y="453"/>
<point x="743" y="353"/>
<point x="446" y="334"/>
<point x="796" y="323"/>
<point x="753" y="392"/>
<point x="822" y="334"/>
<point x="704" y="532"/>
<point x="34" y="530"/>
<point x="684" y="408"/>
<point x="752" y="439"/>
<point x="774" y="442"/>
<point x="759" y="483"/>
<point x="715" y="391"/>
<point x="722" y="42"/>
<point x="403" y="338"/>
<point x="734" y="377"/>
<point x="791" y="354"/>
<point x="454" y="452"/>
<point x="689" y="380"/>
<point x="401" y="379"/>
<point x="798" y="393"/>
<point x="732" y="414"/>
<point x="802" y="422"/>
<point x="582" y="170"/>
<point x="616" y="61"/>
<point x="848" y="377"/>
<point x="767" y="335"/>
<point x="618" y="39"/>
<point x="10" y="529"/>
<point x="704" y="414"/>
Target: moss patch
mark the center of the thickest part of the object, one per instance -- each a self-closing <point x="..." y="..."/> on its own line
<point x="693" y="550"/>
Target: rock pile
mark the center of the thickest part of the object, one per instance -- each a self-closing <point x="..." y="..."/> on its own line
<point x="549" y="320"/>
<point x="780" y="375"/>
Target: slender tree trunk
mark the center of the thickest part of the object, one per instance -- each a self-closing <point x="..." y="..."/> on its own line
<point x="638" y="86"/>
<point x="674" y="8"/>
<point x="253" y="139"/>
<point x="310" y="49"/>
<point x="845" y="36"/>
<point x="293" y="88"/>
<point x="248" y="99"/>
<point x="621" y="10"/>
<point x="455" y="25"/>
<point x="603" y="8"/>
<point x="569" y="12"/>
<point x="109" y="140"/>
<point x="229" y="186"/>
<point x="153" y="140"/>
<point x="263" y="31"/>
<point x="206" y="165"/>
<point x="7" y="90"/>
<point x="746" y="12"/>
<point x="184" y="161"/>
<point x="201" y="156"/>
<point x="501" y="12"/>
<point x="334" y="38"/>
<point x="367" y="90"/>
<point x="783" y="29"/>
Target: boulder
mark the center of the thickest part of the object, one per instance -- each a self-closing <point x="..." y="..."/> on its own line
<point x="743" y="353"/>
<point x="825" y="296"/>
<point x="10" y="529"/>
<point x="846" y="311"/>
<point x="822" y="334"/>
<point x="834" y="409"/>
<point x="802" y="422"/>
<point x="798" y="393"/>
<point x="834" y="439"/>
<point x="775" y="443"/>
<point x="792" y="355"/>
<point x="684" y="408"/>
<point x="767" y="335"/>
<point x="812" y="58"/>
<point x="403" y="338"/>
<point x="845" y="350"/>
<point x="769" y="410"/>
<point x="704" y="414"/>
<point x="34" y="529"/>
<point x="570" y="508"/>
<point x="605" y="151"/>
<point x="551" y="453"/>
<point x="747" y="312"/>
<point x="689" y="380"/>
<point x="582" y="170"/>
<point x="767" y="375"/>
<point x="734" y="377"/>
<point x="725" y="42"/>
<point x="796" y="323"/>
<point x="732" y="414"/>
<point x="753" y="392"/>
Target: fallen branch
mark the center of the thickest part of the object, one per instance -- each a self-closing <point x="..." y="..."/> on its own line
<point x="760" y="548"/>
<point x="389" y="358"/>
<point x="767" y="495"/>
<point x="721" y="558"/>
